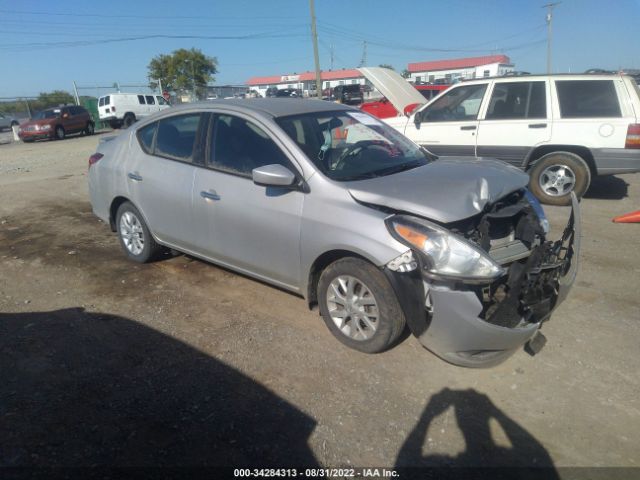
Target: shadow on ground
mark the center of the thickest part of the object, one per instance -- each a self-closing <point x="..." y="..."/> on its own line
<point x="89" y="389"/>
<point x="607" y="188"/>
<point x="473" y="412"/>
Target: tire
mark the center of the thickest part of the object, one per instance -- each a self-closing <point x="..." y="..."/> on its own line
<point x="89" y="129"/>
<point x="555" y="190"/>
<point x="13" y="124"/>
<point x="128" y="120"/>
<point x="134" y="235"/>
<point x="369" y="285"/>
<point x="59" y="133"/>
<point x="114" y="124"/>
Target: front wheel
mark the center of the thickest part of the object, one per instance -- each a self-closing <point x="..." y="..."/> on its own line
<point x="89" y="129"/>
<point x="556" y="175"/>
<point x="135" y="237"/>
<point x="359" y="306"/>
<point x="60" y="133"/>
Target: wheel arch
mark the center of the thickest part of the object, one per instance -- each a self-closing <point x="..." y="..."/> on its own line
<point x="318" y="266"/>
<point x="113" y="210"/>
<point x="583" y="152"/>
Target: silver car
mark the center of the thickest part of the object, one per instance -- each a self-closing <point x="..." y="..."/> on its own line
<point x="330" y="203"/>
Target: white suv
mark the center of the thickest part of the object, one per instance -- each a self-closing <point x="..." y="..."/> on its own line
<point x="562" y="129"/>
<point x="123" y="109"/>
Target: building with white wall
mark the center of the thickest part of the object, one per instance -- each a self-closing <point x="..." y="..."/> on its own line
<point x="306" y="81"/>
<point x="449" y="71"/>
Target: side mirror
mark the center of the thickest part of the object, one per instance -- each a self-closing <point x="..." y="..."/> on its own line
<point x="274" y="175"/>
<point x="417" y="119"/>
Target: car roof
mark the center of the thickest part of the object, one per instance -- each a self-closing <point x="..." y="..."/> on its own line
<point x="561" y="76"/>
<point x="274" y="107"/>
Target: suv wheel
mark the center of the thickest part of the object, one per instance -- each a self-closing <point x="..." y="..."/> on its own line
<point x="556" y="175"/>
<point x="359" y="306"/>
<point x="135" y="237"/>
<point x="128" y="120"/>
<point x="60" y="133"/>
<point x="89" y="129"/>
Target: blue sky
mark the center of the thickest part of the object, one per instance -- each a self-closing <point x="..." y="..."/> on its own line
<point x="273" y="37"/>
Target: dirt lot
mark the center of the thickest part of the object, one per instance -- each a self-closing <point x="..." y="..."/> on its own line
<point x="106" y="362"/>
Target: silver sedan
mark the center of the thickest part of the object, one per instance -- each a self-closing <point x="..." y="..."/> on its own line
<point x="330" y="203"/>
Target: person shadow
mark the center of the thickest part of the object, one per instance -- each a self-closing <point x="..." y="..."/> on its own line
<point x="82" y="389"/>
<point x="474" y="411"/>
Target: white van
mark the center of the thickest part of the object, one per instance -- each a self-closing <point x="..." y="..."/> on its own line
<point x="122" y="109"/>
<point x="561" y="129"/>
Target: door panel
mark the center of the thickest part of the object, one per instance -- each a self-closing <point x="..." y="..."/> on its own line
<point x="244" y="225"/>
<point x="517" y="119"/>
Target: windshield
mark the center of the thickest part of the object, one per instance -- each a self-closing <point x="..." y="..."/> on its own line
<point x="46" y="114"/>
<point x="347" y="146"/>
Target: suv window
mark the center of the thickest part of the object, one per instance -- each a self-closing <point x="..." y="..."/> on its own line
<point x="587" y="98"/>
<point x="177" y="135"/>
<point x="141" y="99"/>
<point x="514" y="100"/>
<point x="239" y="146"/>
<point x="145" y="137"/>
<point x="458" y="104"/>
<point x="150" y="100"/>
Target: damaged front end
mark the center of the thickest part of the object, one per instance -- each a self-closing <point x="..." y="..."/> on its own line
<point x="481" y="321"/>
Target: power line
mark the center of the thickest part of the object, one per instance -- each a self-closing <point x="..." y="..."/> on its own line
<point x="145" y="16"/>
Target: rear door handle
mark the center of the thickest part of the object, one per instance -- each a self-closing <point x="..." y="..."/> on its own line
<point x="537" y="125"/>
<point x="210" y="195"/>
<point x="134" y="176"/>
<point x="468" y="127"/>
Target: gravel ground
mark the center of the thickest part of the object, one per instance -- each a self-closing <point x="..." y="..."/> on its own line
<point x="179" y="362"/>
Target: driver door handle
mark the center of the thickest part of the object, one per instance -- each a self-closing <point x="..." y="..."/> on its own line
<point x="537" y="125"/>
<point x="468" y="127"/>
<point x="210" y="195"/>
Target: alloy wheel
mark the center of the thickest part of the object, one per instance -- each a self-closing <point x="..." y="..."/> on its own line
<point x="352" y="307"/>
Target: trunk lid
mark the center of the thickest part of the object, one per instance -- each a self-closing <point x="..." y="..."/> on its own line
<point x="447" y="190"/>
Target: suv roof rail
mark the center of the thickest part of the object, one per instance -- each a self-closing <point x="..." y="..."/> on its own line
<point x="515" y="73"/>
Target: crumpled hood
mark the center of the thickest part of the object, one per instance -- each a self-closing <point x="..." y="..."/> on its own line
<point x="446" y="190"/>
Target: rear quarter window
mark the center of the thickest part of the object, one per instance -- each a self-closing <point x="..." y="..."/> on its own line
<point x="588" y="99"/>
<point x="145" y="137"/>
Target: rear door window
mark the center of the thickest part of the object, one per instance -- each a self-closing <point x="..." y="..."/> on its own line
<point x="176" y="136"/>
<point x="588" y="99"/>
<point x="458" y="104"/>
<point x="141" y="99"/>
<point x="107" y="100"/>
<point x="517" y="100"/>
<point x="150" y="100"/>
<point x="101" y="102"/>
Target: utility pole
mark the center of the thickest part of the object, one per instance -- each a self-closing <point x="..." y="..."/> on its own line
<point x="75" y="90"/>
<point x="316" y="57"/>
<point x="549" y="7"/>
<point x="363" y="61"/>
<point x="331" y="58"/>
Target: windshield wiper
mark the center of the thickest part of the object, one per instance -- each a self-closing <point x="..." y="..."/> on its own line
<point x="398" y="168"/>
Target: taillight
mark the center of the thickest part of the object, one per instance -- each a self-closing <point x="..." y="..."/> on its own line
<point x="633" y="136"/>
<point x="93" y="159"/>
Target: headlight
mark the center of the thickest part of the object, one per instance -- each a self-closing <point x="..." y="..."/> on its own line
<point x="45" y="127"/>
<point x="535" y="204"/>
<point x="446" y="254"/>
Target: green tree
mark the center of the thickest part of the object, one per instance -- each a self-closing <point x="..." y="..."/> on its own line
<point x="53" y="99"/>
<point x="386" y="65"/>
<point x="405" y="73"/>
<point x="182" y="70"/>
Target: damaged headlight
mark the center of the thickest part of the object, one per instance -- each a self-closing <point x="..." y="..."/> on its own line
<point x="537" y="207"/>
<point x="445" y="254"/>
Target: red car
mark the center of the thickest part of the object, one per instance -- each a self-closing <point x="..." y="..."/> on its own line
<point x="385" y="109"/>
<point x="57" y="123"/>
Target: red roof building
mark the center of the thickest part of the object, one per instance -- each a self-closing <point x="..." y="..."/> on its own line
<point x="448" y="70"/>
<point x="307" y="80"/>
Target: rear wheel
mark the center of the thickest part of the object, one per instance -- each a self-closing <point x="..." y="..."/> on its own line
<point x="359" y="306"/>
<point x="135" y="237"/>
<point x="89" y="129"/>
<point x="129" y="119"/>
<point x="60" y="133"/>
<point x="556" y="175"/>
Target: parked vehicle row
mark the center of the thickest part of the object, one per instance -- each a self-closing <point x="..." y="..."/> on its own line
<point x="7" y="122"/>
<point x="561" y="129"/>
<point x="57" y="123"/>
<point x="333" y="204"/>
